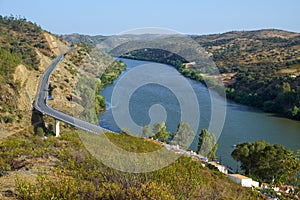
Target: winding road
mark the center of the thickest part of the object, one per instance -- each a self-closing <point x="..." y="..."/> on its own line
<point x="41" y="105"/>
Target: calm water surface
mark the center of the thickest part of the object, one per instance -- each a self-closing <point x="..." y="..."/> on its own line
<point x="241" y="123"/>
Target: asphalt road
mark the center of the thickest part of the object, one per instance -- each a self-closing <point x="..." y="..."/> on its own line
<point x="42" y="106"/>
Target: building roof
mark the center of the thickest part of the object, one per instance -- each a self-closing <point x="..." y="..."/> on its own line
<point x="216" y="164"/>
<point x="239" y="176"/>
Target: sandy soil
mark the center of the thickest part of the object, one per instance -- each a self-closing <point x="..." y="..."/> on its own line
<point x="56" y="46"/>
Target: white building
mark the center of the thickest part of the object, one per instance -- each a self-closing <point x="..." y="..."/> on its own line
<point x="221" y="168"/>
<point x="243" y="180"/>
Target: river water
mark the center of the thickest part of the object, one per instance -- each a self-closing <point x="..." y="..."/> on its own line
<point x="242" y="123"/>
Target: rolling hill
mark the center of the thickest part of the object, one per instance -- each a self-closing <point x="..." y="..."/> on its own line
<point x="259" y="68"/>
<point x="36" y="167"/>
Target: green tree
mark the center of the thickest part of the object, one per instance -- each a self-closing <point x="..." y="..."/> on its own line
<point x="184" y="135"/>
<point x="293" y="112"/>
<point x="245" y="153"/>
<point x="270" y="163"/>
<point x="286" y="87"/>
<point x="160" y="132"/>
<point x="146" y="132"/>
<point x="207" y="144"/>
<point x="100" y="103"/>
<point x="212" y="154"/>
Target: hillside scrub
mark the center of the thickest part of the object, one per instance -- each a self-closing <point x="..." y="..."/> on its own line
<point x="20" y="40"/>
<point x="79" y="175"/>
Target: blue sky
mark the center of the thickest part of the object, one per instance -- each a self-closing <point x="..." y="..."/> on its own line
<point x="190" y="16"/>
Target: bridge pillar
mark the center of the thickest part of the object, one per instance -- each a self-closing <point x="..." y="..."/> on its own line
<point x="57" y="130"/>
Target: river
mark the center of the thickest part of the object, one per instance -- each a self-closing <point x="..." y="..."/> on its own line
<point x="242" y="123"/>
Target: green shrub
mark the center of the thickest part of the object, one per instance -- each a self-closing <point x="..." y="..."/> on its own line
<point x="67" y="80"/>
<point x="8" y="119"/>
<point x="20" y="115"/>
<point x="58" y="187"/>
<point x="40" y="132"/>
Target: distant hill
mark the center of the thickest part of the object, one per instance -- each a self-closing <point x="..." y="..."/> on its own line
<point x="259" y="68"/>
<point x="247" y="48"/>
<point x="89" y="40"/>
<point x="243" y="48"/>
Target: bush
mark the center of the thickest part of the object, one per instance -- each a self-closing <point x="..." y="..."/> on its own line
<point x="8" y="119"/>
<point x="58" y="188"/>
<point x="20" y="115"/>
<point x="40" y="132"/>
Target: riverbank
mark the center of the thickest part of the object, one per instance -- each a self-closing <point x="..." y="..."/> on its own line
<point x="108" y="77"/>
<point x="278" y="95"/>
